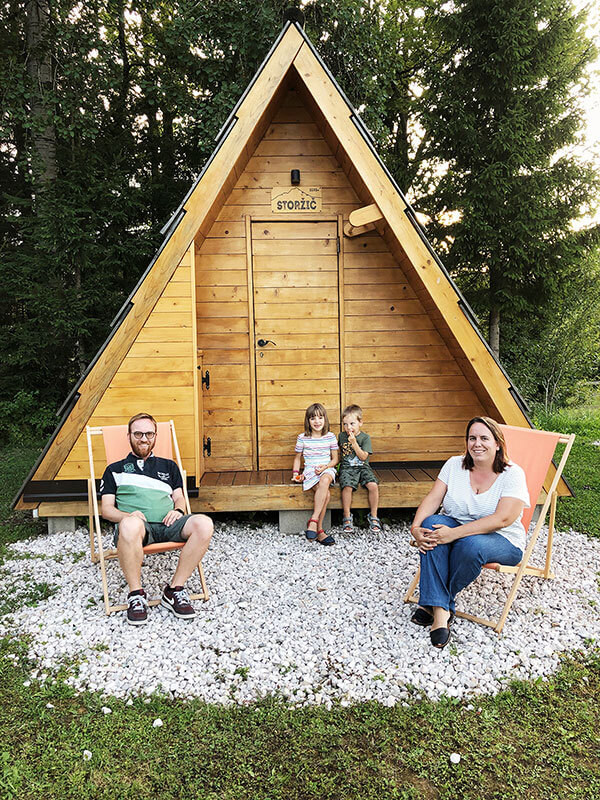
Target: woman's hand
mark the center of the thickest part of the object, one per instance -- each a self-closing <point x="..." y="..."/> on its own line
<point x="442" y="534"/>
<point x="422" y="537"/>
<point x="320" y="468"/>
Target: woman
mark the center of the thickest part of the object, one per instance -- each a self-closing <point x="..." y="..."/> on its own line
<point x="483" y="496"/>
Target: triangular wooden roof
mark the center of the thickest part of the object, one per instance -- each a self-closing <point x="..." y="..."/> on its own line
<point x="292" y="56"/>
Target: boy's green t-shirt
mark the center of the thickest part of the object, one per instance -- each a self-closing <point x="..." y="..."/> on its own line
<point x="347" y="454"/>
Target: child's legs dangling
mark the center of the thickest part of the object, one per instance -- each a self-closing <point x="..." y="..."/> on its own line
<point x="346" y="500"/>
<point x="373" y="490"/>
<point x="322" y="497"/>
<point x="324" y="511"/>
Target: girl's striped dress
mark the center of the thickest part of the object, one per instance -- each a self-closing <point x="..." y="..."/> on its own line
<point x="315" y="452"/>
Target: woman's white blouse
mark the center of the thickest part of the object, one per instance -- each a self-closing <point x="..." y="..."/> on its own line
<point x="462" y="503"/>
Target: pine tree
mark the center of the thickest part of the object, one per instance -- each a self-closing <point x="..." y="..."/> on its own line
<point x="504" y="107"/>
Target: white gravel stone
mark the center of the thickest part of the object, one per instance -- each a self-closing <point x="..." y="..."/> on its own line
<point x="269" y="629"/>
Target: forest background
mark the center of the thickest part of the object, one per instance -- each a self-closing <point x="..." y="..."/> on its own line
<point x="109" y="109"/>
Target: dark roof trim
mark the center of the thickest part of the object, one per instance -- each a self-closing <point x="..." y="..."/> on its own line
<point x="172" y="222"/>
<point x="231" y="120"/>
<point x="258" y="73"/>
<point x="74" y="489"/>
<point x="521" y="403"/>
<point x="410" y="213"/>
<point x="123" y="311"/>
<point x="365" y="132"/>
<point x="167" y="230"/>
<point x="180" y="211"/>
<point x="469" y="313"/>
<point x="417" y="226"/>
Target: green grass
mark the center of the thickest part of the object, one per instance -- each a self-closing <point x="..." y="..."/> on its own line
<point x="582" y="471"/>
<point x="537" y="740"/>
<point x="15" y="462"/>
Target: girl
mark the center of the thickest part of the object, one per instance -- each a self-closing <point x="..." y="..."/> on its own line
<point x="320" y="449"/>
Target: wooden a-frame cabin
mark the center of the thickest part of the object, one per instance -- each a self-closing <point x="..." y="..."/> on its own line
<point x="269" y="294"/>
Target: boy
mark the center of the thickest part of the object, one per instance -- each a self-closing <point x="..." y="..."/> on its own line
<point x="355" y="449"/>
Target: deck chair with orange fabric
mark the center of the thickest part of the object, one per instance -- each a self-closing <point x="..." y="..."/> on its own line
<point x="116" y="447"/>
<point x="532" y="450"/>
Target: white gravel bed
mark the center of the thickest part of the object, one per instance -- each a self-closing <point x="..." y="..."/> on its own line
<point x="287" y="617"/>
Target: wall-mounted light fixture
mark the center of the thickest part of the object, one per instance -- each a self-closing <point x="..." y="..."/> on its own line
<point x="295" y="177"/>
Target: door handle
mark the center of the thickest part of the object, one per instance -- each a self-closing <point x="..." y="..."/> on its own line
<point x="265" y="342"/>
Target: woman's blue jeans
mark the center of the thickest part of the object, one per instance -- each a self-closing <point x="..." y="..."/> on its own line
<point x="448" y="568"/>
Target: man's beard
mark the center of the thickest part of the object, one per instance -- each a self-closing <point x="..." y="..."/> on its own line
<point x="141" y="449"/>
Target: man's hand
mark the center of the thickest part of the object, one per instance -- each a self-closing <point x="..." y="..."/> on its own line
<point x="171" y="516"/>
<point x="138" y="514"/>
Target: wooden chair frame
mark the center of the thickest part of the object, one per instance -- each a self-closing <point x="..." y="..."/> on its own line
<point x="101" y="554"/>
<point x="524" y="567"/>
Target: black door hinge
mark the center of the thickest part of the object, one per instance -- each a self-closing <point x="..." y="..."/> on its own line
<point x="206" y="379"/>
<point x="206" y="447"/>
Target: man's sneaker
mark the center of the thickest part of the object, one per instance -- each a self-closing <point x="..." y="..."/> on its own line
<point x="137" y="611"/>
<point x="176" y="600"/>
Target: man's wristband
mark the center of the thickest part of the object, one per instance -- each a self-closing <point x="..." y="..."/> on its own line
<point x="181" y="511"/>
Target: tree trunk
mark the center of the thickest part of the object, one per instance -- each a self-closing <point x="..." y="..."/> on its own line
<point x="39" y="69"/>
<point x="401" y="147"/>
<point x="121" y="103"/>
<point x="494" y="331"/>
<point x="168" y="147"/>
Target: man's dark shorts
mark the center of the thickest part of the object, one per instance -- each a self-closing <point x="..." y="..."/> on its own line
<point x="352" y="476"/>
<point x="157" y="532"/>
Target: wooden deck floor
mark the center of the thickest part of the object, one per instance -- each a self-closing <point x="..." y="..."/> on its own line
<point x="400" y="486"/>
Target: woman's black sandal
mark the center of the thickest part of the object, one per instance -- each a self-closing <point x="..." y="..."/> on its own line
<point x="441" y="636"/>
<point x="422" y="617"/>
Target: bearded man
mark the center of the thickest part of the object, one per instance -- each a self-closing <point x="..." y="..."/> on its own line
<point x="143" y="495"/>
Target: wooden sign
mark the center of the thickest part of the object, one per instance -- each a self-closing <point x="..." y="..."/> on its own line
<point x="296" y="199"/>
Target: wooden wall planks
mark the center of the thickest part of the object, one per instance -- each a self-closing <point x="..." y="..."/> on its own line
<point x="156" y="375"/>
<point x="395" y="362"/>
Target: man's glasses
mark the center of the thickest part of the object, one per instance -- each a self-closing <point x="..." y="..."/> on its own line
<point x="139" y="435"/>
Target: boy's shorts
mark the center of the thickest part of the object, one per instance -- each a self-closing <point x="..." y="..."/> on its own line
<point x="352" y="476"/>
<point x="158" y="532"/>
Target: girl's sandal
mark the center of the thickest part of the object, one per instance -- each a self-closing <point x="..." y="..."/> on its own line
<point x="375" y="525"/>
<point x="347" y="524"/>
<point x="327" y="540"/>
<point x="311" y="534"/>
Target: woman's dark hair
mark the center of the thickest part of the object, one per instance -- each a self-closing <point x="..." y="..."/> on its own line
<point x="501" y="459"/>
<point x="315" y="410"/>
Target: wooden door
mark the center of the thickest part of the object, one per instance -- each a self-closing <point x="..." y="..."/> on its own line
<point x="296" y="331"/>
